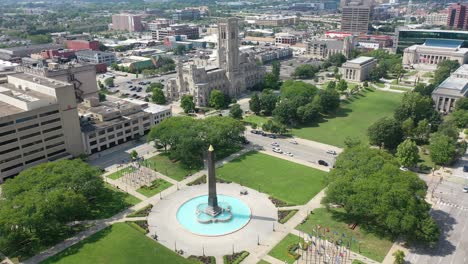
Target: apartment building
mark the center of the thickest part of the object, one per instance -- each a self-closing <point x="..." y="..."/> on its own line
<point x="192" y="32"/>
<point x="110" y="123"/>
<point x="96" y="57"/>
<point x="38" y="122"/>
<point x="355" y="18"/>
<point x="285" y="38"/>
<point x="127" y="22"/>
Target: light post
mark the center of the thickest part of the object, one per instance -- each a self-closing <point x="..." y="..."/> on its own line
<point x="258" y="240"/>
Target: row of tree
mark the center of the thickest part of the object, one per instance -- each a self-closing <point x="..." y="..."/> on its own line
<point x="308" y="71"/>
<point x="186" y="139"/>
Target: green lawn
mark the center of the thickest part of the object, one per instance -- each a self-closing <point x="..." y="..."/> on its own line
<point x="117" y="244"/>
<point x="284" y="180"/>
<point x="425" y="158"/>
<point x="116" y="175"/>
<point x="352" y="119"/>
<point x="156" y="187"/>
<point x="372" y="246"/>
<point x="280" y="251"/>
<point x="164" y="165"/>
<point x="379" y="84"/>
<point x="112" y="201"/>
<point x="259" y="120"/>
<point x="401" y="88"/>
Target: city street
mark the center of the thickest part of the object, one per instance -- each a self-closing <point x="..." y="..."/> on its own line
<point x="305" y="150"/>
<point x="451" y="213"/>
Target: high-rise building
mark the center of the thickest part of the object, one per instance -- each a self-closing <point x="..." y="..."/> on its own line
<point x="355" y="17"/>
<point x="38" y="122"/>
<point x="458" y="16"/>
<point x="128" y="22"/>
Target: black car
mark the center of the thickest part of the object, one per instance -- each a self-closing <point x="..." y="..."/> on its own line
<point x="323" y="163"/>
<point x="465" y="168"/>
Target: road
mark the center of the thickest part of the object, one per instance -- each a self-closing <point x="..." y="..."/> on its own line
<point x="307" y="151"/>
<point x="451" y="213"/>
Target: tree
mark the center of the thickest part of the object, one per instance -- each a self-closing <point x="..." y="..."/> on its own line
<point x="337" y="59"/>
<point x="331" y="85"/>
<point x="271" y="81"/>
<point x="102" y="95"/>
<point x="153" y="86"/>
<point x="329" y="100"/>
<point x="351" y="142"/>
<point x="387" y="132"/>
<point x="134" y="155"/>
<point x="158" y="96"/>
<point x="100" y="85"/>
<point x="342" y="86"/>
<point x="461" y="104"/>
<point x="442" y="149"/>
<point x="268" y="102"/>
<point x="408" y="127"/>
<point x="305" y="71"/>
<point x="217" y="99"/>
<point x="276" y="68"/>
<point x="414" y="106"/>
<point x="235" y="111"/>
<point x="444" y="69"/>
<point x="109" y="82"/>
<point x="180" y="50"/>
<point x="399" y="257"/>
<point x="254" y="104"/>
<point x="186" y="102"/>
<point x="38" y="205"/>
<point x="377" y="195"/>
<point x="422" y="131"/>
<point x="424" y="90"/>
<point x="366" y="84"/>
<point x="407" y="153"/>
<point x="459" y="117"/>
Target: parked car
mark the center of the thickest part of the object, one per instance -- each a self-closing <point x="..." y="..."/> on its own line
<point x="289" y="154"/>
<point x="465" y="168"/>
<point x="133" y="89"/>
<point x="402" y="168"/>
<point x="323" y="163"/>
<point x="294" y="142"/>
<point x="254" y="131"/>
<point x="332" y="152"/>
<point x="275" y="144"/>
<point x="272" y="136"/>
<point x="465" y="189"/>
<point x="277" y="150"/>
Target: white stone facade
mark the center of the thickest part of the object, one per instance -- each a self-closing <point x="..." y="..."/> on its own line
<point x="358" y="69"/>
<point x="235" y="71"/>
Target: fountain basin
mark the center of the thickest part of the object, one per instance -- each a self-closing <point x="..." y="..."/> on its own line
<point x="235" y="215"/>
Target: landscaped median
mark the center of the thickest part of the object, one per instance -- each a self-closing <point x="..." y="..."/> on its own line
<point x="285" y="250"/>
<point x="286" y="182"/>
<point x="164" y="165"/>
<point x="156" y="187"/>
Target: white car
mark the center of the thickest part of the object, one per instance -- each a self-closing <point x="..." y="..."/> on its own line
<point x="289" y="154"/>
<point x="275" y="144"/>
<point x="465" y="189"/>
<point x="402" y="168"/>
<point x="277" y="150"/>
<point x="332" y="152"/>
<point x="293" y="142"/>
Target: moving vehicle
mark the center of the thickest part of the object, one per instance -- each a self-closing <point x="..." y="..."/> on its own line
<point x="277" y="150"/>
<point x="332" y="152"/>
<point x="465" y="168"/>
<point x="294" y="142"/>
<point x="323" y="163"/>
<point x="465" y="189"/>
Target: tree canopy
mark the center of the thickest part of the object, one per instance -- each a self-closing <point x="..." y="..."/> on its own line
<point x="386" y="131"/>
<point x="187" y="103"/>
<point x="380" y="197"/>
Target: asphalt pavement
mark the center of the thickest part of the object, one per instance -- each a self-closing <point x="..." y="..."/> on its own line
<point x="306" y="151"/>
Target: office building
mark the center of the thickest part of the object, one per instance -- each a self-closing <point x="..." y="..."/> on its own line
<point x="457" y="16"/>
<point x="406" y="37"/>
<point x="81" y="76"/>
<point x="285" y="38"/>
<point x="355" y="17"/>
<point x="110" y="123"/>
<point x="186" y="14"/>
<point x="324" y="48"/>
<point x="38" y="122"/>
<point x="79" y="44"/>
<point x="434" y="51"/>
<point x="95" y="57"/>
<point x="127" y="22"/>
<point x="16" y="53"/>
<point x="445" y="96"/>
<point x="268" y="54"/>
<point x="192" y="32"/>
<point x="436" y="19"/>
<point x="234" y="73"/>
<point x="271" y="20"/>
<point x="358" y="69"/>
<point x="158" y="24"/>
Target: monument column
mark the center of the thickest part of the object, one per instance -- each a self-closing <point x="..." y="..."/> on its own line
<point x="213" y="208"/>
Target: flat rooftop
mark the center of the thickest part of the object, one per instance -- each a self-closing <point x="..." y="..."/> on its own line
<point x="361" y="60"/>
<point x="455" y="85"/>
<point x="7" y="109"/>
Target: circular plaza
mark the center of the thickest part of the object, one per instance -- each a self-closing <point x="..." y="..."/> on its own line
<point x="247" y="216"/>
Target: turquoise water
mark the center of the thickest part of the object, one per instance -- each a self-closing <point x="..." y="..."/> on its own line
<point x="187" y="217"/>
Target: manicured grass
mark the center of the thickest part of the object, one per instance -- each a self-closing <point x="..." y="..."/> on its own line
<point x="351" y="85"/>
<point x="259" y="120"/>
<point x="280" y="251"/>
<point x="379" y="84"/>
<point x="284" y="180"/>
<point x="119" y="243"/>
<point x="263" y="262"/>
<point x="118" y="174"/>
<point x="352" y="119"/>
<point x="372" y="246"/>
<point x="112" y="201"/>
<point x="156" y="187"/>
<point x="428" y="75"/>
<point x="424" y="157"/>
<point x="401" y="88"/>
<point x="162" y="164"/>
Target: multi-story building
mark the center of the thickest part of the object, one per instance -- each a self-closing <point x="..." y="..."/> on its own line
<point x="158" y="24"/>
<point x="16" y="53"/>
<point x="358" y="69"/>
<point x="457" y="16"/>
<point x="81" y="77"/>
<point x="324" y="48"/>
<point x="406" y="37"/>
<point x="110" y="123"/>
<point x="437" y="19"/>
<point x="266" y="55"/>
<point x="186" y="14"/>
<point x="61" y="54"/>
<point x="83" y="44"/>
<point x="192" y="32"/>
<point x="96" y="57"/>
<point x="234" y="73"/>
<point x="38" y="122"/>
<point x="445" y="96"/>
<point x="128" y="22"/>
<point x="271" y="20"/>
<point x="285" y="38"/>
<point x="355" y="17"/>
<point x="434" y="51"/>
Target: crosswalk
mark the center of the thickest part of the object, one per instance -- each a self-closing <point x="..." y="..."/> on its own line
<point x="449" y="204"/>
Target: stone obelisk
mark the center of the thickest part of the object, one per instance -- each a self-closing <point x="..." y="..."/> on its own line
<point x="213" y="209"/>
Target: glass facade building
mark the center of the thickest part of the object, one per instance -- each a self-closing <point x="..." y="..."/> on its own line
<point x="408" y="37"/>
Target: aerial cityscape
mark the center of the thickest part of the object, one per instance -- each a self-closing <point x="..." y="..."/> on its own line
<point x="229" y="132"/>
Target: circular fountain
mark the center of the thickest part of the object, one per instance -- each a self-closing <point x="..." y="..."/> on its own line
<point x="234" y="215"/>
